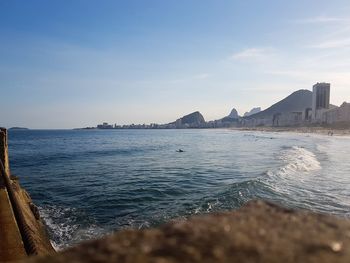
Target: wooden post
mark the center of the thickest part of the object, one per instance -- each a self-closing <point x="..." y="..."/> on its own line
<point x="4" y="150"/>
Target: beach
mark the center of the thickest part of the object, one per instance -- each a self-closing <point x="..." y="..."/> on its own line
<point x="330" y="131"/>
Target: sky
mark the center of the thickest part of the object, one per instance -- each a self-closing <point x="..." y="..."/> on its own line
<point x="71" y="63"/>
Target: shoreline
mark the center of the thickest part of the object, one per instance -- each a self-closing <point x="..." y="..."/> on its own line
<point x="330" y="131"/>
<point x="302" y="130"/>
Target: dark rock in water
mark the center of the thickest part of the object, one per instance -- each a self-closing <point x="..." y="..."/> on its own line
<point x="258" y="232"/>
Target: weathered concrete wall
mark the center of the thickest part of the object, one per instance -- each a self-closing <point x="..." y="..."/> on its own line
<point x="34" y="225"/>
<point x="26" y="214"/>
<point x="4" y="157"/>
<point x="258" y="232"/>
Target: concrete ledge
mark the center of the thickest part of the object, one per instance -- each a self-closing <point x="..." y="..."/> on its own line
<point x="34" y="225"/>
<point x="11" y="245"/>
<point x="22" y="232"/>
<point x="4" y="157"/>
<point x="258" y="232"/>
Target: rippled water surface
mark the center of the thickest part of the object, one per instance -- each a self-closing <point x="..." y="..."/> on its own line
<point x="88" y="183"/>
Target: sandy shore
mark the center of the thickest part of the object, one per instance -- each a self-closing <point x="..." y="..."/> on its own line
<point x="316" y="130"/>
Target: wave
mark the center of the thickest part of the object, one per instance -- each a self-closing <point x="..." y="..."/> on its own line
<point x="296" y="160"/>
<point x="294" y="179"/>
<point x="230" y="197"/>
<point x="67" y="226"/>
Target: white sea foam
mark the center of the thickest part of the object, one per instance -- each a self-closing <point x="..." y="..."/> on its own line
<point x="208" y="207"/>
<point x="296" y="160"/>
<point x="64" y="227"/>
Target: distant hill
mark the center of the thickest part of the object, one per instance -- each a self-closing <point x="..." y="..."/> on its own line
<point x="232" y="117"/>
<point x="193" y="118"/>
<point x="18" y="128"/>
<point x="252" y="111"/>
<point x="233" y="114"/>
<point x="297" y="101"/>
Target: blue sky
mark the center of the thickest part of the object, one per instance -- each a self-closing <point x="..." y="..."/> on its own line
<point x="66" y="64"/>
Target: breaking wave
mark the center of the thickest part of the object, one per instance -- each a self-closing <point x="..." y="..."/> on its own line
<point x="296" y="160"/>
<point x="292" y="181"/>
<point x="67" y="226"/>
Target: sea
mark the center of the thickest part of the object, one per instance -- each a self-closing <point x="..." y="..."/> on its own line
<point x="88" y="183"/>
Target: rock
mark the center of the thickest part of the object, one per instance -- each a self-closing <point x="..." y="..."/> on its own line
<point x="258" y="232"/>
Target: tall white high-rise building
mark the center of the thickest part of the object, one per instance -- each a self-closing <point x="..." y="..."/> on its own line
<point x="320" y="98"/>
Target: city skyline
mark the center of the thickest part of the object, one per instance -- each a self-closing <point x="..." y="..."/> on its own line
<point x="67" y="66"/>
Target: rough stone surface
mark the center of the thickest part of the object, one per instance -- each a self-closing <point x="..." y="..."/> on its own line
<point x="258" y="232"/>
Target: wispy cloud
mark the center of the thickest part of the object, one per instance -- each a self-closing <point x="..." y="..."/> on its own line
<point x="201" y="76"/>
<point x="335" y="43"/>
<point x="251" y="54"/>
<point x="322" y="20"/>
<point x="335" y="34"/>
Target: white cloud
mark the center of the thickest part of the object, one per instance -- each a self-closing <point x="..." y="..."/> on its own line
<point x="322" y="20"/>
<point x="250" y="53"/>
<point x="335" y="43"/>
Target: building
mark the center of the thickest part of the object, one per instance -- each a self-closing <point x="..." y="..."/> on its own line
<point x="105" y="125"/>
<point x="285" y="119"/>
<point x="338" y="115"/>
<point x="320" y="100"/>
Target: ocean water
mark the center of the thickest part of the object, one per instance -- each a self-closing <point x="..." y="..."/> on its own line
<point x="89" y="183"/>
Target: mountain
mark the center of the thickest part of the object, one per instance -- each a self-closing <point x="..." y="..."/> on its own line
<point x="232" y="117"/>
<point x="252" y="111"/>
<point x="297" y="101"/>
<point x="233" y="114"/>
<point x="192" y="118"/>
